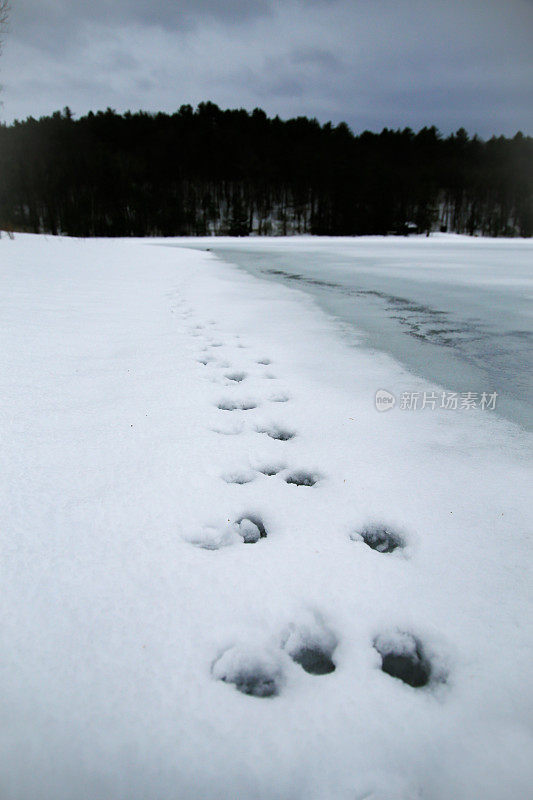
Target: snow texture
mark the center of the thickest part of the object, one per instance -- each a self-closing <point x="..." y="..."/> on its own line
<point x="252" y="671"/>
<point x="178" y="620"/>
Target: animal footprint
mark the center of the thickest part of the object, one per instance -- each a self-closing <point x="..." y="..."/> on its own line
<point x="312" y="647"/>
<point x="264" y="361"/>
<point x="236" y="405"/>
<point x="247" y="529"/>
<point x="271" y="469"/>
<point x="250" y="528"/>
<point x="403" y="656"/>
<point x="380" y="538"/>
<point x="244" y="476"/>
<point x="277" y="432"/>
<point x="279" y="398"/>
<point x="302" y="478"/>
<point x="211" y="537"/>
<point x="256" y="672"/>
<point x="237" y="377"/>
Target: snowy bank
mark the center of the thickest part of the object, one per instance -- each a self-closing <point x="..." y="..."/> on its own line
<point x="198" y="597"/>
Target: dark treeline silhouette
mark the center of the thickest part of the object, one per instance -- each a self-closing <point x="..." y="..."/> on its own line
<point x="209" y="171"/>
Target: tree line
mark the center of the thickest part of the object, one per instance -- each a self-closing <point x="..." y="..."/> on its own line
<point x="212" y="171"/>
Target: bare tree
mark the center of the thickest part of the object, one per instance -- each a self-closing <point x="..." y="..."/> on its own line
<point x="4" y="16"/>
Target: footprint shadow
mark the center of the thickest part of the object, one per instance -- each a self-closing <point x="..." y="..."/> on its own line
<point x="271" y="469"/>
<point x="312" y="647"/>
<point x="379" y="537"/>
<point x="236" y="377"/>
<point x="253" y="671"/>
<point x="239" y="477"/>
<point x="250" y="528"/>
<point x="302" y="477"/>
<point x="404" y="656"/>
<point x="237" y="405"/>
<point x="277" y="432"/>
<point x="247" y="529"/>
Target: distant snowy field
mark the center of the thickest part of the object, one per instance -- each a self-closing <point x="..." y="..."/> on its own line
<point x="191" y="462"/>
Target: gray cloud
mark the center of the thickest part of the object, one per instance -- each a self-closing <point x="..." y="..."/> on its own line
<point x="47" y="23"/>
<point x="57" y="25"/>
<point x="31" y="14"/>
<point x="374" y="63"/>
<point x="315" y="56"/>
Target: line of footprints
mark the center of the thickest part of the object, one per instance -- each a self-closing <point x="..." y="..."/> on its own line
<point x="258" y="671"/>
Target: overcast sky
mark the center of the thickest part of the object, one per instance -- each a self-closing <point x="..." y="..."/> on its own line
<point x="372" y="63"/>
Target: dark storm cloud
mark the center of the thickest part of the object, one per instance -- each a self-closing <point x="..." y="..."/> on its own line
<point x="51" y="23"/>
<point x="374" y="63"/>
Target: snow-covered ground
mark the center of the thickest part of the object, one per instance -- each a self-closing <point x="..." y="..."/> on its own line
<point x="456" y="310"/>
<point x="168" y="589"/>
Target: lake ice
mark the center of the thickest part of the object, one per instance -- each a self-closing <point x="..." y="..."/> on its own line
<point x="455" y="309"/>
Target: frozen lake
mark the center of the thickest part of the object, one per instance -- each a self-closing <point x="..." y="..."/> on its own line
<point x="454" y="310"/>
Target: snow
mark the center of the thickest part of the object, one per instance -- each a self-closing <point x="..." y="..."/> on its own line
<point x="253" y="671"/>
<point x="454" y="309"/>
<point x="152" y="644"/>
